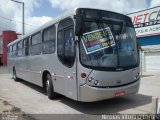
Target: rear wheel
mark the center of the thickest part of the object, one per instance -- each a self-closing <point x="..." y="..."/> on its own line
<point x="49" y="87"/>
<point x="15" y="75"/>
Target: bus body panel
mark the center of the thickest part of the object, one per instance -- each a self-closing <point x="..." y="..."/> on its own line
<point x="105" y="78"/>
<point x="92" y="94"/>
<point x="64" y="79"/>
<point x="68" y="81"/>
<point x="34" y="67"/>
<point x="51" y="65"/>
<point x="89" y="92"/>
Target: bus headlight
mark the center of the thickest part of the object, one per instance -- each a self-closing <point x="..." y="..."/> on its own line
<point x="90" y="79"/>
<point x="96" y="82"/>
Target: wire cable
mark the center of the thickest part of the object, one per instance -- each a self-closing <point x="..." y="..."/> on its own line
<point x="17" y="21"/>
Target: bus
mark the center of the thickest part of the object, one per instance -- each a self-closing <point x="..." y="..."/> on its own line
<point x="85" y="54"/>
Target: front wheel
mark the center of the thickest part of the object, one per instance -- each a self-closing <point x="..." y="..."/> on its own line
<point x="49" y="87"/>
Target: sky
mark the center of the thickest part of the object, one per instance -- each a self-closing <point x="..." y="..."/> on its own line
<point x="38" y="12"/>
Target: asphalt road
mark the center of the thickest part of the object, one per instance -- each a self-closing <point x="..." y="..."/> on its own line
<point x="32" y="99"/>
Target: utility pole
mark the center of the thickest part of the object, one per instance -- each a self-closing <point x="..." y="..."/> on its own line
<point x="23" y="26"/>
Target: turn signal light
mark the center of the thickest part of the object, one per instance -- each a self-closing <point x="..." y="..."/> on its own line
<point x="90" y="79"/>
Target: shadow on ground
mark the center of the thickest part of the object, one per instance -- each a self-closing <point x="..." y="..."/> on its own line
<point x="110" y="106"/>
<point x="102" y="107"/>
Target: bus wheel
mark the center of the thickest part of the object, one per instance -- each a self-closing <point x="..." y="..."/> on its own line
<point x="15" y="75"/>
<point x="49" y="87"/>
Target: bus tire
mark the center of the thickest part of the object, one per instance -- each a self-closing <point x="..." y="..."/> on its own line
<point x="15" y="75"/>
<point x="49" y="87"/>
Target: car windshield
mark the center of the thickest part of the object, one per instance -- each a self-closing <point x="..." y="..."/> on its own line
<point x="108" y="44"/>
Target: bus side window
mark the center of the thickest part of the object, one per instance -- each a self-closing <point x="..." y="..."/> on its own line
<point x="69" y="49"/>
<point x="26" y="47"/>
<point x="14" y="50"/>
<point x="35" y="48"/>
<point x="49" y="37"/>
<point x="20" y="46"/>
<point x="60" y="42"/>
<point x="10" y="51"/>
<point x="65" y="42"/>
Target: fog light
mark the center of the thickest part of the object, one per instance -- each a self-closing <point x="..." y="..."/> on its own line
<point x="90" y="79"/>
<point x="96" y="82"/>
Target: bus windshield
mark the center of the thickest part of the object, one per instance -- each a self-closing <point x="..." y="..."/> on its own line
<point x="109" y="44"/>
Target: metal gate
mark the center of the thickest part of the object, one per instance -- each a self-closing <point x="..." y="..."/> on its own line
<point x="152" y="62"/>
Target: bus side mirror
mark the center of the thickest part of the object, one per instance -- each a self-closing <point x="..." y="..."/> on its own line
<point x="78" y="26"/>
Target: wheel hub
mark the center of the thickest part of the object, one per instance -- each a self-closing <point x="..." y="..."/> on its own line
<point x="47" y="86"/>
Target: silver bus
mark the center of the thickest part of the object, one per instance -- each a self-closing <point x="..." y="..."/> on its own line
<point x="85" y="54"/>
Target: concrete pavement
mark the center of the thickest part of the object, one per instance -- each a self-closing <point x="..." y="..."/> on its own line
<point x="32" y="99"/>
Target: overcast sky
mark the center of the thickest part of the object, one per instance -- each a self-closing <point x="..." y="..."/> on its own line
<point x="38" y="12"/>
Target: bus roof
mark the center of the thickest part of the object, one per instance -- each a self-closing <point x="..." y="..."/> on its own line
<point x="66" y="14"/>
<point x="51" y="22"/>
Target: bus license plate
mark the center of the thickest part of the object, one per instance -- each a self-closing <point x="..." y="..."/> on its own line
<point x="121" y="93"/>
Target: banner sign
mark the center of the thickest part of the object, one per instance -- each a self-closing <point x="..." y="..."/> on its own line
<point x="97" y="40"/>
<point x="147" y="22"/>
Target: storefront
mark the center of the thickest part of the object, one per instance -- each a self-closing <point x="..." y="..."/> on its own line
<point x="150" y="54"/>
<point x="147" y="26"/>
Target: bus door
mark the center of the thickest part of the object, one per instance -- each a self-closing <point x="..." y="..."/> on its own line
<point x="67" y="55"/>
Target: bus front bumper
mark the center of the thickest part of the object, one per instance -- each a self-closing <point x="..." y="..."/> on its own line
<point x="92" y="94"/>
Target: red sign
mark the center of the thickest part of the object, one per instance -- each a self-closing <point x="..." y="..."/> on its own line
<point x="121" y="93"/>
<point x="146" y="22"/>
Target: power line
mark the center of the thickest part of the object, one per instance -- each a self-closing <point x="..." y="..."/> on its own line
<point x="4" y="28"/>
<point x="16" y="21"/>
<point x="1" y="30"/>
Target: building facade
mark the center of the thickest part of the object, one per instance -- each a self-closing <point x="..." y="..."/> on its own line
<point x="5" y="39"/>
<point x="1" y="50"/>
<point x="147" y="26"/>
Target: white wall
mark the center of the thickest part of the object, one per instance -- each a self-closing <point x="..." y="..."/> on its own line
<point x="150" y="59"/>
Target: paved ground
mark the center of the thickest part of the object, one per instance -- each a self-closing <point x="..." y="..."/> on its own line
<point x="32" y="99"/>
<point x="3" y="70"/>
<point x="10" y="112"/>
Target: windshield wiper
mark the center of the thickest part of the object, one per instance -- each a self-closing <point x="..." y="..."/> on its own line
<point x="117" y="42"/>
<point x="101" y="26"/>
